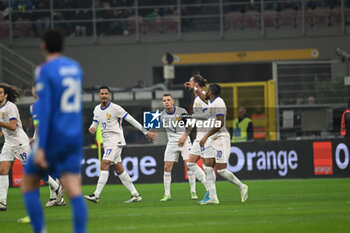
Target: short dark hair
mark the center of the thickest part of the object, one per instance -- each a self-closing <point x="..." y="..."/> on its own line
<point x="215" y="89"/>
<point x="104" y="87"/>
<point x="200" y="80"/>
<point x="167" y="94"/>
<point x="53" y="39"/>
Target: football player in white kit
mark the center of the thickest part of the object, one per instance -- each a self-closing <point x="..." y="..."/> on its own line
<point x="16" y="144"/>
<point x="178" y="142"/>
<point x="196" y="152"/>
<point x="110" y="117"/>
<point x="217" y="140"/>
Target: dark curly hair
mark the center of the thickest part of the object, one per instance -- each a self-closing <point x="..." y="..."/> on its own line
<point x="13" y="93"/>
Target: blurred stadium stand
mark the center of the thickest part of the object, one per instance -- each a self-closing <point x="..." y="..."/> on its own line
<point x="109" y="27"/>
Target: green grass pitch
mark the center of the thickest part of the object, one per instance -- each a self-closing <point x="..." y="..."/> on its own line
<point x="291" y="205"/>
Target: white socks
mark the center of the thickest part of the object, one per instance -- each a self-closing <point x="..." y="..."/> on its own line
<point x="211" y="182"/>
<point x="199" y="173"/>
<point x="53" y="186"/>
<point x="192" y="181"/>
<point x="102" y="180"/>
<point x="230" y="177"/>
<point x="167" y="181"/>
<point x="125" y="179"/>
<point x="4" y="186"/>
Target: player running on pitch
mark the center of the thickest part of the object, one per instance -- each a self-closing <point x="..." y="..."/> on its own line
<point x="110" y="117"/>
<point x="16" y="144"/>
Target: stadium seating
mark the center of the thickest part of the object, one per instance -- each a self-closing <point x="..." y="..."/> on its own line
<point x="170" y="22"/>
<point x="251" y="19"/>
<point x="270" y="18"/>
<point x="4" y="28"/>
<point x="321" y="16"/>
<point x="288" y="18"/>
<point x="23" y="28"/>
<point x="335" y="16"/>
<point x="234" y="20"/>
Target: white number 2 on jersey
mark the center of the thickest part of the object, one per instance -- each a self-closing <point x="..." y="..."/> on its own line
<point x="73" y="90"/>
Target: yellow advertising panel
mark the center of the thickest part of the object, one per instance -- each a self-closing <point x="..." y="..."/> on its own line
<point x="244" y="56"/>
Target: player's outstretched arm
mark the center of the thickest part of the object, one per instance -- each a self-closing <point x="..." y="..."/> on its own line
<point x="135" y="123"/>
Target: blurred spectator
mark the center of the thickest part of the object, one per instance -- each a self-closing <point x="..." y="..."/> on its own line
<point x="290" y="4"/>
<point x="60" y="16"/>
<point x="311" y="4"/>
<point x="310" y="100"/>
<point x="299" y="100"/>
<point x="41" y="18"/>
<point x="103" y="13"/>
<point x="345" y="122"/>
<point x="121" y="26"/>
<point x="20" y="9"/>
<point x="242" y="127"/>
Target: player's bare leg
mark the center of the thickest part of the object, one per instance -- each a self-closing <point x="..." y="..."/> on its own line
<point x="126" y="181"/>
<point x="222" y="171"/>
<point x="5" y="167"/>
<point x="168" y="167"/>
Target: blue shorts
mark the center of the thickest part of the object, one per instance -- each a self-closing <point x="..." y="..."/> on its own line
<point x="65" y="160"/>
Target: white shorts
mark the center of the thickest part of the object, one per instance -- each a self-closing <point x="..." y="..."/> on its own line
<point x="113" y="154"/>
<point x="218" y="148"/>
<point x="172" y="152"/>
<point x="10" y="153"/>
<point x="196" y="149"/>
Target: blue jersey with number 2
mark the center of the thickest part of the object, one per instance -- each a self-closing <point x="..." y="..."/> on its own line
<point x="59" y="87"/>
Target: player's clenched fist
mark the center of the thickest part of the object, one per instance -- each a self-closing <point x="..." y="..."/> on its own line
<point x="92" y="130"/>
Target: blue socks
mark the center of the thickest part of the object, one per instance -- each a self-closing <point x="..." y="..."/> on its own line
<point x="36" y="214"/>
<point x="79" y="212"/>
<point x="34" y="210"/>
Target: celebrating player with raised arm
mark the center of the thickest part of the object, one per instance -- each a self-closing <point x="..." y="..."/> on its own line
<point x="178" y="142"/>
<point x="217" y="140"/>
<point x="196" y="152"/>
<point x="16" y="144"/>
<point x="59" y="149"/>
<point x="110" y="117"/>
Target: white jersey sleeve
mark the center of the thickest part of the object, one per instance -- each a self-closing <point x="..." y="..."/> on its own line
<point x="94" y="123"/>
<point x="218" y="108"/>
<point x="8" y="112"/>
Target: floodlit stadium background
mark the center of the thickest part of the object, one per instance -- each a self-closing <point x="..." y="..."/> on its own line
<point x="285" y="61"/>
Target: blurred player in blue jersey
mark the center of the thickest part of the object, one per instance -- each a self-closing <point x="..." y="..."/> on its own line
<point x="59" y="148"/>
